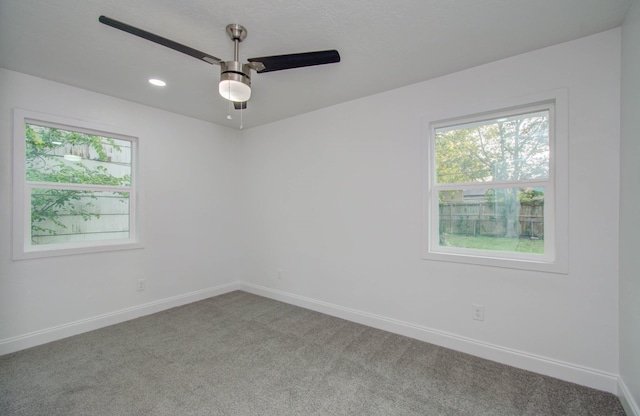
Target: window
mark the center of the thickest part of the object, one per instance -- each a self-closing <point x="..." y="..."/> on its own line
<point x="74" y="187"/>
<point x="497" y="188"/>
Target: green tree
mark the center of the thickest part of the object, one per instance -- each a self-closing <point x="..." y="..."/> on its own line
<point x="510" y="149"/>
<point x="45" y="164"/>
<point x="459" y="159"/>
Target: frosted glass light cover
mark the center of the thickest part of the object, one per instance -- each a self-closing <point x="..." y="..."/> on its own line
<point x="234" y="90"/>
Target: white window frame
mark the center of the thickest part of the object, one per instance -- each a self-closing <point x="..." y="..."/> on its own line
<point x="556" y="208"/>
<point x="22" y="247"/>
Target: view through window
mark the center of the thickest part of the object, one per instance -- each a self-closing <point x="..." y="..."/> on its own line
<point x="490" y="181"/>
<point x="65" y="172"/>
<point x="77" y="189"/>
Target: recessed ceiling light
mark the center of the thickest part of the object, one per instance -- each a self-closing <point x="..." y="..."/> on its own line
<point x="157" y="82"/>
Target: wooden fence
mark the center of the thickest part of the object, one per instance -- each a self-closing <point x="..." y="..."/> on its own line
<point x="482" y="219"/>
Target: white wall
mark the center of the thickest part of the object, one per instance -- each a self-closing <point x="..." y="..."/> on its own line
<point x="190" y="245"/>
<point x="333" y="199"/>
<point x="629" y="209"/>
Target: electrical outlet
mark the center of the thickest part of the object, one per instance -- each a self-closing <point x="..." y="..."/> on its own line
<point x="477" y="312"/>
<point x="141" y="285"/>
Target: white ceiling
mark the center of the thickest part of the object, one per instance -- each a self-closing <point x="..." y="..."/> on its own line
<point x="384" y="44"/>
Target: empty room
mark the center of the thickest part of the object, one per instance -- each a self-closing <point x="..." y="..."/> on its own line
<point x="418" y="207"/>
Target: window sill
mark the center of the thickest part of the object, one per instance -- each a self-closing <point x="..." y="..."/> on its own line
<point x="44" y="251"/>
<point x="558" y="266"/>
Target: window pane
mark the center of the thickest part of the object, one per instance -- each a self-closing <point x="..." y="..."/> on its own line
<point x="64" y="156"/>
<point x="500" y="149"/>
<point x="64" y="216"/>
<point x="502" y="219"/>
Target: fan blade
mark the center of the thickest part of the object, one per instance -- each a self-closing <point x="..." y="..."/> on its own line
<point x="240" y="105"/>
<point x="296" y="60"/>
<point x="160" y="40"/>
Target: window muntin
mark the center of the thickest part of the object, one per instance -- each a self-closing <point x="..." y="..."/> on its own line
<point x="491" y="188"/>
<point x="74" y="187"/>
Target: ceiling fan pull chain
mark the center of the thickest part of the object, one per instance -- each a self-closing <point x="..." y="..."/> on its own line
<point x="229" y="106"/>
<point x="241" y="117"/>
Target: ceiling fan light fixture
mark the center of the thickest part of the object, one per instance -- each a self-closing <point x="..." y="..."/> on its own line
<point x="235" y="81"/>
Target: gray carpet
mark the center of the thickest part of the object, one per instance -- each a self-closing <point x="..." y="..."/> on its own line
<point x="241" y="354"/>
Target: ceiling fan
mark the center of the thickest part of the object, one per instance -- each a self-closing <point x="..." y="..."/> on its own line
<point x="235" y="77"/>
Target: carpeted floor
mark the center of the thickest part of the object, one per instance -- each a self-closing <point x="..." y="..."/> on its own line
<point x="241" y="354"/>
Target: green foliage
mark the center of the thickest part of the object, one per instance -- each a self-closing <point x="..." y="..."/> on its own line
<point x="47" y="205"/>
<point x="459" y="159"/>
<point x="495" y="151"/>
<point x="44" y="163"/>
<point x="531" y="196"/>
<point x="62" y="173"/>
<point x="526" y="196"/>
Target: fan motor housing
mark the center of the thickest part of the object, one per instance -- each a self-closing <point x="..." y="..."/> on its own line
<point x="233" y="70"/>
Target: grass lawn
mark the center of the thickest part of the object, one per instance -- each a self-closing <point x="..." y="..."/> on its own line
<point x="521" y="245"/>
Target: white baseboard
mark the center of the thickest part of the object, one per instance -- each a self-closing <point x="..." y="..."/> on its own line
<point x="562" y="370"/>
<point x="627" y="400"/>
<point x="44" y="336"/>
